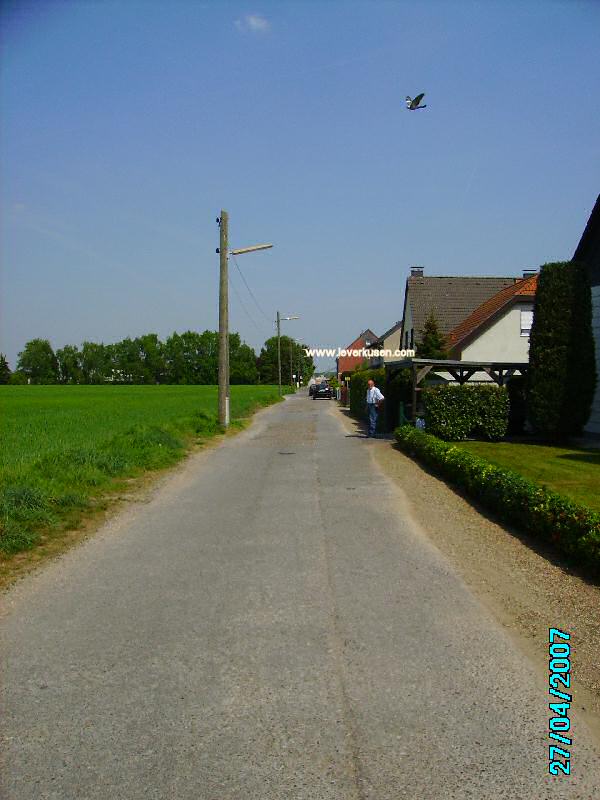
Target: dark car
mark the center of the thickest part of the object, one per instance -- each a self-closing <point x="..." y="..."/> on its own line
<point x="323" y="391"/>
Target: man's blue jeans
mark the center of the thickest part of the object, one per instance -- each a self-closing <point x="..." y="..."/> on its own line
<point x="372" y="417"/>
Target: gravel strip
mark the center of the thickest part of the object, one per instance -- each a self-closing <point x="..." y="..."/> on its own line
<point x="526" y="586"/>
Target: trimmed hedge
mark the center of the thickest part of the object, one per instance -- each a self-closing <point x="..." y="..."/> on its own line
<point x="573" y="529"/>
<point x="562" y="369"/>
<point x="455" y="412"/>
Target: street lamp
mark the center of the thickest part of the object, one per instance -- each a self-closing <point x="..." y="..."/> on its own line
<point x="224" y="253"/>
<point x="279" y="320"/>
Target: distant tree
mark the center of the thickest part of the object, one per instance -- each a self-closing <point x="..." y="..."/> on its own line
<point x="307" y="365"/>
<point x="433" y="343"/>
<point x="267" y="361"/>
<point x="126" y="362"/>
<point x="242" y="361"/>
<point x="204" y="357"/>
<point x="69" y="364"/>
<point x="152" y="355"/>
<point x="95" y="362"/>
<point x="17" y="378"/>
<point x="38" y="362"/>
<point x="175" y="366"/>
<point x="4" y="370"/>
<point x="192" y="358"/>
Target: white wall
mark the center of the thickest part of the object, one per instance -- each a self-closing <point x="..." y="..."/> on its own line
<point x="501" y="341"/>
<point x="392" y="342"/>
<point x="408" y="324"/>
<point x="593" y="425"/>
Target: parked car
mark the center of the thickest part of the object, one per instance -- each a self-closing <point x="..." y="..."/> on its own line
<point x="323" y="391"/>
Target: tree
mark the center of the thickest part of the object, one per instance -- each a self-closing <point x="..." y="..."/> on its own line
<point x="562" y="372"/>
<point x="174" y="360"/>
<point x="267" y="361"/>
<point x="433" y="343"/>
<point x="69" y="364"/>
<point x="126" y="362"/>
<point x="17" y="378"/>
<point x="242" y="361"/>
<point x="95" y="362"/>
<point x="151" y="351"/>
<point x="4" y="370"/>
<point x="38" y="362"/>
<point x="192" y="358"/>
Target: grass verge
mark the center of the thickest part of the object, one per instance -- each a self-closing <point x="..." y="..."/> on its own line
<point x="570" y="471"/>
<point x="68" y="449"/>
<point x="572" y="529"/>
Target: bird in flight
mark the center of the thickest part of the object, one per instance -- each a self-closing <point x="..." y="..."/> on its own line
<point x="413" y="105"/>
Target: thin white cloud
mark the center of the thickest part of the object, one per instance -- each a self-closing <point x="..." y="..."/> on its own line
<point x="253" y="23"/>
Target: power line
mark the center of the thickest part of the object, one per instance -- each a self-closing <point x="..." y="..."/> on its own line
<point x="245" y="310"/>
<point x="250" y="292"/>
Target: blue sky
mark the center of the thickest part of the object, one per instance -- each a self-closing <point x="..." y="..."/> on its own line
<point x="127" y="126"/>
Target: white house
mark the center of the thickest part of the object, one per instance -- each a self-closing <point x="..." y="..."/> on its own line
<point x="498" y="329"/>
<point x="391" y="341"/>
<point x="451" y="299"/>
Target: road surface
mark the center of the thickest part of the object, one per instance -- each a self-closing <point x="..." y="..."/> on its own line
<point x="269" y="625"/>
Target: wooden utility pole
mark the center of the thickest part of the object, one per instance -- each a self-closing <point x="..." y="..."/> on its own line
<point x="223" y="322"/>
<point x="279" y="350"/>
<point x="223" y="250"/>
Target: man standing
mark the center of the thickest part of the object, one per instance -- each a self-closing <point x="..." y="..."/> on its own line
<point x="374" y="400"/>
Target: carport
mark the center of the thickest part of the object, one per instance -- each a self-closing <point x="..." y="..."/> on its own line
<point x="460" y="372"/>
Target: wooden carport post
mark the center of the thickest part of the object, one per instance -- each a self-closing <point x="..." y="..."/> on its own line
<point x="414" y="393"/>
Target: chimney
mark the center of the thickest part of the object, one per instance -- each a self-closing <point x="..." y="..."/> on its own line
<point x="416" y="272"/>
<point x="527" y="273"/>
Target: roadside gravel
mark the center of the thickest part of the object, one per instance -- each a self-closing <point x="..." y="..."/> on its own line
<point x="526" y="587"/>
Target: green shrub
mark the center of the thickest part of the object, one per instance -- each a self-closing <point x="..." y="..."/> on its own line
<point x="398" y="389"/>
<point x="562" y="371"/>
<point x="572" y="529"/>
<point x="455" y="412"/>
<point x="358" y="390"/>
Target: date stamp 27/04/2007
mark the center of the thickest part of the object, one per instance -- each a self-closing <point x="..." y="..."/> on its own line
<point x="559" y="725"/>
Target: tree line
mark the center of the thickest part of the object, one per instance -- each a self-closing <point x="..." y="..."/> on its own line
<point x="186" y="358"/>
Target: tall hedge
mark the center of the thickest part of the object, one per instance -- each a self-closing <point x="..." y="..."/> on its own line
<point x="455" y="412"/>
<point x="562" y="371"/>
<point x="398" y="389"/>
<point x="358" y="390"/>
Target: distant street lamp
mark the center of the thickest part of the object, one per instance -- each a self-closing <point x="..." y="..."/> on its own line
<point x="279" y="320"/>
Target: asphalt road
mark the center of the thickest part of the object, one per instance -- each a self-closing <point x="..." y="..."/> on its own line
<point x="269" y="625"/>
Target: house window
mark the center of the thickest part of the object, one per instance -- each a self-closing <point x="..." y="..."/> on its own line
<point x="526" y="322"/>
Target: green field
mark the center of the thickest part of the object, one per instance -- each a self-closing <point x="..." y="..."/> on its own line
<point x="573" y="472"/>
<point x="65" y="447"/>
